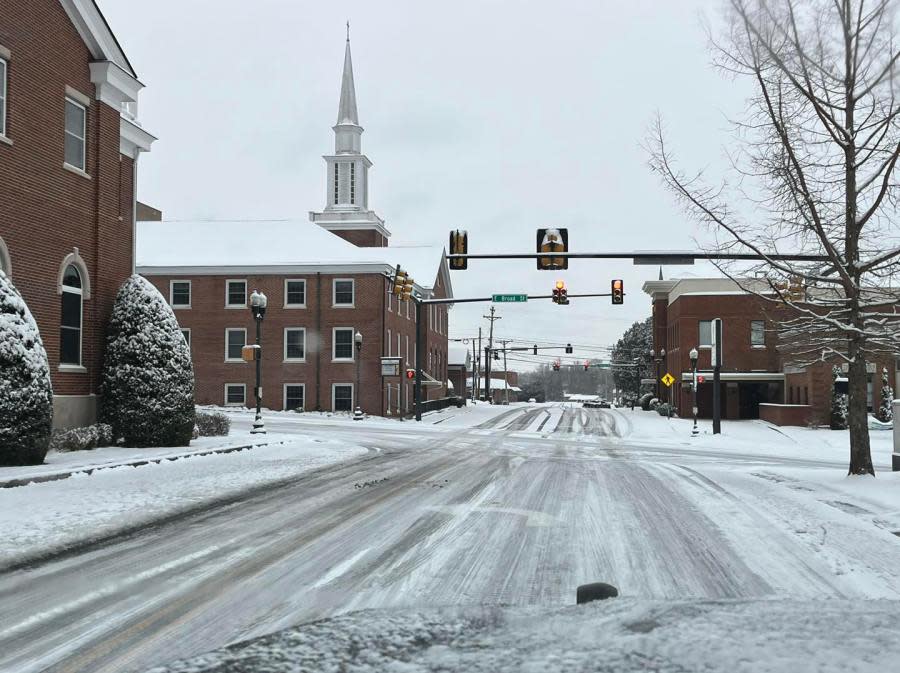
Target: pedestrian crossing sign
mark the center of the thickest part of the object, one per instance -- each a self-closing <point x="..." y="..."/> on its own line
<point x="668" y="379"/>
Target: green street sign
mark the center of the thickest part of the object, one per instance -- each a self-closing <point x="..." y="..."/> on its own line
<point x="508" y="298"/>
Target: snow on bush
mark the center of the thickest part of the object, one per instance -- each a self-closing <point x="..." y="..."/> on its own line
<point x="885" y="413"/>
<point x="148" y="379"/>
<point x="26" y="397"/>
<point x="81" y="439"/>
<point x="212" y="423"/>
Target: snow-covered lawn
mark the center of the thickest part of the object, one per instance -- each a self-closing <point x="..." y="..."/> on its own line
<point x="46" y="517"/>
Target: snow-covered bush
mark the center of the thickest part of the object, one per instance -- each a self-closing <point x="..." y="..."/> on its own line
<point x="212" y="423"/>
<point x="80" y="439"/>
<point x="885" y="412"/>
<point x="665" y="409"/>
<point x="645" y="401"/>
<point x="26" y="397"/>
<point x="653" y="404"/>
<point x="838" y="404"/>
<point x="148" y="379"/>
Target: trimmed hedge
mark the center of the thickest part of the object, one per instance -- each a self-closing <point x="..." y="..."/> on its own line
<point x="81" y="439"/>
<point x="212" y="423"/>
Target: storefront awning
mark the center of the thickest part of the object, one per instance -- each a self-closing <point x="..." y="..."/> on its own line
<point x="737" y="376"/>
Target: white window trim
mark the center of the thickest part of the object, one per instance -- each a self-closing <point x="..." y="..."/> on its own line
<point x="228" y="281"/>
<point x="225" y="395"/>
<point x="171" y="294"/>
<point x="189" y="335"/>
<point x="285" y="357"/>
<point x="352" y="395"/>
<point x="6" y="260"/>
<point x="73" y="366"/>
<point x="334" y="283"/>
<point x="234" y="329"/>
<point x="388" y="354"/>
<point x="284" y="395"/>
<point x="763" y="344"/>
<point x="294" y="280"/>
<point x="71" y="98"/>
<point x="4" y="92"/>
<point x="352" y="357"/>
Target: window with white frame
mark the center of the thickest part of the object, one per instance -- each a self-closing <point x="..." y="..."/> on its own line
<point x="343" y="292"/>
<point x="294" y="344"/>
<point x="70" y="317"/>
<point x="398" y="344"/>
<point x="236" y="293"/>
<point x="294" y="396"/>
<point x="3" y="70"/>
<point x="186" y="333"/>
<point x="705" y="333"/>
<point x="180" y="293"/>
<point x="342" y="397"/>
<point x="389" y="342"/>
<point x="390" y="298"/>
<point x="235" y="394"/>
<point x="295" y="293"/>
<point x="757" y="333"/>
<point x="76" y="127"/>
<point x="407" y="349"/>
<point x="342" y="348"/>
<point x="235" y="340"/>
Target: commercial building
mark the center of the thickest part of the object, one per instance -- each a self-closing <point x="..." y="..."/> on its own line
<point x="757" y="379"/>
<point x="69" y="146"/>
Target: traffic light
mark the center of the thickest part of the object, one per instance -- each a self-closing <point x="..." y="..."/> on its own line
<point x="497" y="355"/>
<point x="560" y="293"/>
<point x="556" y="366"/>
<point x="535" y="349"/>
<point x="552" y="240"/>
<point x="618" y="291"/>
<point x="459" y="245"/>
<point x="399" y="281"/>
<point x="586" y="365"/>
<point x="407" y="291"/>
<point x="410" y="374"/>
<point x="568" y="348"/>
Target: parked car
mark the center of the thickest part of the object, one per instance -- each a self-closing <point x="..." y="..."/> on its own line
<point x="531" y="400"/>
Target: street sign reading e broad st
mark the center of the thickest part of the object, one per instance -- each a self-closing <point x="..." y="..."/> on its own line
<point x="508" y="298"/>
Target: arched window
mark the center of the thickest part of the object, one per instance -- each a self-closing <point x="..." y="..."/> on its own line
<point x="70" y="317"/>
<point x="5" y="263"/>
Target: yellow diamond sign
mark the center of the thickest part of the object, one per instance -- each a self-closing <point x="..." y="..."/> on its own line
<point x="668" y="379"/>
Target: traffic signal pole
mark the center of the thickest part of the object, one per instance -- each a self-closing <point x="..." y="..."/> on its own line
<point x="420" y="320"/>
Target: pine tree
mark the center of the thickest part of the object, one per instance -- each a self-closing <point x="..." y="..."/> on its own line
<point x="26" y="395"/>
<point x="838" y="403"/>
<point x="885" y="412"/>
<point x="148" y="379"/>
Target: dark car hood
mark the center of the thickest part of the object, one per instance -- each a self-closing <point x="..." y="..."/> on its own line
<point x="616" y="635"/>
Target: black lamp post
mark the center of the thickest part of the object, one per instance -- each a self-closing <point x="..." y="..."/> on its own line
<point x="693" y="355"/>
<point x="357" y="339"/>
<point x="258" y="303"/>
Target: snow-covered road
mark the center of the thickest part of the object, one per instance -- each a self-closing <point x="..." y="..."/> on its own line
<point x="514" y="507"/>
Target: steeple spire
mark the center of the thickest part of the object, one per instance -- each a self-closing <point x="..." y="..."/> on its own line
<point x="347" y="107"/>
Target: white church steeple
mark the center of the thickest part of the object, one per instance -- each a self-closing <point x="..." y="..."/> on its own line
<point x="347" y="211"/>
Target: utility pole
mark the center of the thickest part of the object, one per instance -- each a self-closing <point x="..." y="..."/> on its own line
<point x="487" y="355"/>
<point x="505" y="376"/>
<point x="474" y="371"/>
<point x="477" y="381"/>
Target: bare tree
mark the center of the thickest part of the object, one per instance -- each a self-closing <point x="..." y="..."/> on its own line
<point x="814" y="162"/>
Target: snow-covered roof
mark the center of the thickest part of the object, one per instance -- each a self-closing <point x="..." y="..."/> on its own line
<point x="496" y="384"/>
<point x="458" y="355"/>
<point x="272" y="246"/>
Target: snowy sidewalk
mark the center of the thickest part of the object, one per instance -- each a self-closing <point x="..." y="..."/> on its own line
<point x="41" y="519"/>
<point x="66" y="464"/>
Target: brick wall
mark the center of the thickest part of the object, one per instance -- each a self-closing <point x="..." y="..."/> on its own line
<point x="373" y="315"/>
<point x="45" y="210"/>
<point x="362" y="238"/>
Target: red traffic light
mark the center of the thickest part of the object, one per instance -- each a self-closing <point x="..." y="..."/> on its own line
<point x="700" y="379"/>
<point x="410" y="374"/>
<point x="618" y="291"/>
<point x="586" y="365"/>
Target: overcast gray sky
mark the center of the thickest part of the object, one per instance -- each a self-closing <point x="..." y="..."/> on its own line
<point x="495" y="117"/>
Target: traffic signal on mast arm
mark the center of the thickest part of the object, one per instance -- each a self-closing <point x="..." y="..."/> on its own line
<point x="556" y="366"/>
<point x="618" y="291"/>
<point x="399" y="281"/>
<point x="407" y="291"/>
<point x="560" y="293"/>
<point x="568" y="348"/>
<point x="459" y="245"/>
<point x="410" y="374"/>
<point x="552" y="240"/>
<point x="535" y="349"/>
<point x="586" y="365"/>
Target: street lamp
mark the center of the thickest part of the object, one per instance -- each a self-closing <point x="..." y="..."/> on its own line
<point x="693" y="355"/>
<point x="357" y="339"/>
<point x="657" y="358"/>
<point x="258" y="303"/>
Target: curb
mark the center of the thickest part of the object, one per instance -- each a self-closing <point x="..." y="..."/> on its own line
<point x="57" y="476"/>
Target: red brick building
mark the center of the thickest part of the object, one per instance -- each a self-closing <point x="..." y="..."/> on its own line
<point x="756" y="379"/>
<point x="327" y="289"/>
<point x="69" y="147"/>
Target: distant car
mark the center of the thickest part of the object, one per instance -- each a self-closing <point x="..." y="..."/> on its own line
<point x="531" y="400"/>
<point x="604" y="404"/>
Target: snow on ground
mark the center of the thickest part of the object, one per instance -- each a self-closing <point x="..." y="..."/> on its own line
<point x="619" y="634"/>
<point x="44" y="517"/>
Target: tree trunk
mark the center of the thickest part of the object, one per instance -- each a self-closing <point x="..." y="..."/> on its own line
<point x="860" y="453"/>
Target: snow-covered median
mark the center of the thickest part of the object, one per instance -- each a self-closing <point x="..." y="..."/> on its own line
<point x="42" y="518"/>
